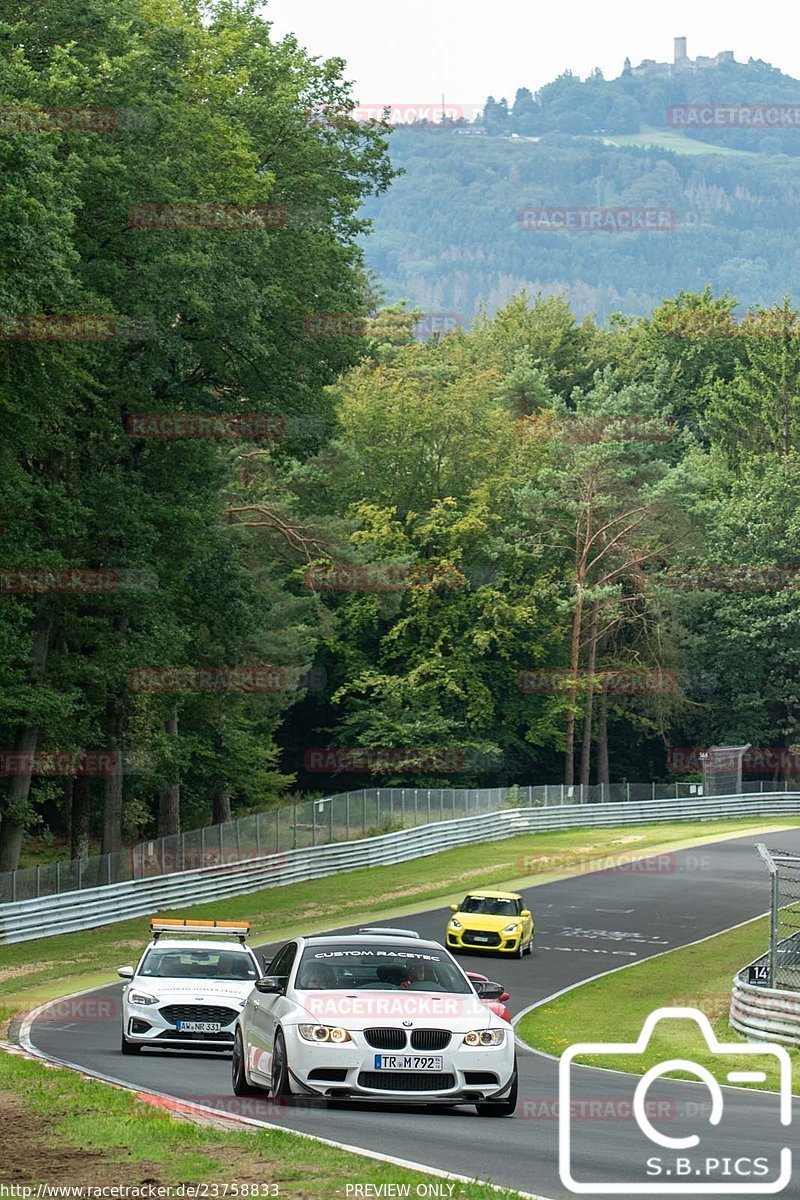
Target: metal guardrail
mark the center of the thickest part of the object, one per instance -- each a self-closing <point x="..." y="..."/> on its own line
<point x="86" y="909"/>
<point x="764" y="1013"/>
<point x="345" y="817"/>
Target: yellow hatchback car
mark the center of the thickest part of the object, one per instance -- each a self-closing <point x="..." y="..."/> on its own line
<point x="491" y="921"/>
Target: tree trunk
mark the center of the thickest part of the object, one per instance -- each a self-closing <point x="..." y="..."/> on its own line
<point x="15" y="812"/>
<point x="221" y="807"/>
<point x="169" y="803"/>
<point x="69" y="787"/>
<point x="603" y="775"/>
<point x="112" y="806"/>
<point x="586" y="749"/>
<point x="575" y="649"/>
<point x="81" y="818"/>
<point x="113" y="786"/>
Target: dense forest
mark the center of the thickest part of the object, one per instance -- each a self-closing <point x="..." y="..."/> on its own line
<point x="255" y="542"/>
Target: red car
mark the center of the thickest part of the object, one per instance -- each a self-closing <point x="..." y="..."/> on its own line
<point x="497" y="1006"/>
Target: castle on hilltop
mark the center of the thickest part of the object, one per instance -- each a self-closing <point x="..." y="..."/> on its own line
<point x="681" y="62"/>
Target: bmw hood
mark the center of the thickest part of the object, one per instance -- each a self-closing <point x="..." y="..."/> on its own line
<point x="359" y="1010"/>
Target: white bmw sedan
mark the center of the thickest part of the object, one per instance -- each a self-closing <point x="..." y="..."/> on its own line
<point x="371" y="1017"/>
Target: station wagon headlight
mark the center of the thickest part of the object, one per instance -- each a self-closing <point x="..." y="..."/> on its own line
<point x="512" y="928"/>
<point x="324" y="1033"/>
<point x="142" y="998"/>
<point x="485" y="1037"/>
<point x="454" y="924"/>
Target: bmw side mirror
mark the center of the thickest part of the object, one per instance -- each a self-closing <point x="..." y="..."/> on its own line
<point x="125" y="972"/>
<point x="272" y="985"/>
<point x="488" y="990"/>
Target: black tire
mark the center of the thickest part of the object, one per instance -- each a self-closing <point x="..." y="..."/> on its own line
<point x="501" y="1108"/>
<point x="530" y="946"/>
<point x="239" y="1082"/>
<point x="280" y="1091"/>
<point x="129" y="1047"/>
<point x="520" y="950"/>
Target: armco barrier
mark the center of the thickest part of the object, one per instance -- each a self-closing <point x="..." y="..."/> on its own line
<point x="86" y="909"/>
<point x="764" y="1013"/>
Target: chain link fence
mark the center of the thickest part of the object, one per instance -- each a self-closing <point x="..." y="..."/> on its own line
<point x="351" y="815"/>
<point x="781" y="965"/>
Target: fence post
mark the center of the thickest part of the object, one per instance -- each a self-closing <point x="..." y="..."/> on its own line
<point x="294" y="834"/>
<point x="13" y="886"/>
<point x="313" y="822"/>
<point x="38" y="870"/>
<point x="364" y="816"/>
<point x="80" y="873"/>
<point x="773" y="929"/>
<point x="238" y="844"/>
<point x="330" y="824"/>
<point x="277" y="830"/>
<point x="183" y="850"/>
<point x="416" y="798"/>
<point x="258" y="833"/>
<point x="202" y="845"/>
<point x="347" y="817"/>
<point x="429" y="806"/>
<point x="58" y="879"/>
<point x="161" y="856"/>
<point x="654" y="790"/>
<point x="108" y="873"/>
<point x="627" y="791"/>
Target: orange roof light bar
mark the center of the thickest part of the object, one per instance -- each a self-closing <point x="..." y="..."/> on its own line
<point x="161" y="925"/>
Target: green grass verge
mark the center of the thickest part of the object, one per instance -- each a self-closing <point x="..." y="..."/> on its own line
<point x="49" y="967"/>
<point x="61" y="1129"/>
<point x="666" y="139"/>
<point x="617" y="1004"/>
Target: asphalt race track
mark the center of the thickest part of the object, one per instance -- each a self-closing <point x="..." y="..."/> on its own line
<point x="585" y="925"/>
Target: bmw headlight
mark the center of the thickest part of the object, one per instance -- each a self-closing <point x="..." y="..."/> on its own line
<point x="324" y="1033"/>
<point x="142" y="998"/>
<point x="511" y="929"/>
<point x="454" y="924"/>
<point x="485" y="1037"/>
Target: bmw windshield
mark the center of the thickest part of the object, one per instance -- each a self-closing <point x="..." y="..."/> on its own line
<point x="328" y="967"/>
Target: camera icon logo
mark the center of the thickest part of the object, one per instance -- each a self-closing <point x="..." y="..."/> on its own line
<point x="688" y="1164"/>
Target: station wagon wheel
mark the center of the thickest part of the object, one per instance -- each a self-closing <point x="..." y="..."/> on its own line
<point x="238" y="1074"/>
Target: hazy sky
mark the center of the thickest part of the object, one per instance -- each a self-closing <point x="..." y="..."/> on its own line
<point x="412" y="51"/>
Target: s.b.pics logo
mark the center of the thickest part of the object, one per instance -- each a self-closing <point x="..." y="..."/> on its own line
<point x="702" y="1152"/>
